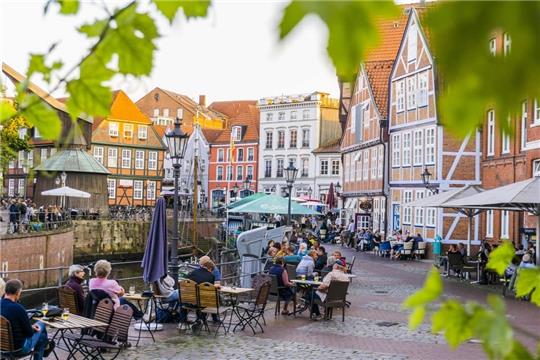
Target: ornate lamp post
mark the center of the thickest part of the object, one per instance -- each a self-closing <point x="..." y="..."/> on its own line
<point x="246" y="183"/>
<point x="339" y="194"/>
<point x="176" y="142"/>
<point x="426" y="177"/>
<point x="290" y="176"/>
<point x="309" y="192"/>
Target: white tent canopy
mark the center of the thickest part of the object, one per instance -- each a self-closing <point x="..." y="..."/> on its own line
<point x="523" y="196"/>
<point x="443" y="200"/>
<point x="66" y="191"/>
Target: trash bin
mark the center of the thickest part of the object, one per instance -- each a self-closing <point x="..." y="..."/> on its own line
<point x="437" y="247"/>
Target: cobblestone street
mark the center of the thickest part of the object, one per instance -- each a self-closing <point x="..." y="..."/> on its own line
<point x="375" y="326"/>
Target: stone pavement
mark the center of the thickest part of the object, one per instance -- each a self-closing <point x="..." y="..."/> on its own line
<point x="375" y="326"/>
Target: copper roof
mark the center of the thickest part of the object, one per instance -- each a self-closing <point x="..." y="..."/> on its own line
<point x="330" y="147"/>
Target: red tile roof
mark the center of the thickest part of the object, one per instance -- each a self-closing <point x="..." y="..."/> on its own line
<point x="191" y="105"/>
<point x="211" y="135"/>
<point x="378" y="73"/>
<point x="244" y="113"/>
<point x="232" y="108"/>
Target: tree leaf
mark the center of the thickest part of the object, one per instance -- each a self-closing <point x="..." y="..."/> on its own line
<point x="501" y="257"/>
<point x="351" y="28"/>
<point x="452" y="319"/>
<point x="94" y="29"/>
<point x="69" y="7"/>
<point x="193" y="8"/>
<point x="431" y="290"/>
<point x="417" y="316"/>
<point x="37" y="65"/>
<point x="41" y="115"/>
<point x="519" y="352"/>
<point x="527" y="281"/>
<point x="7" y="110"/>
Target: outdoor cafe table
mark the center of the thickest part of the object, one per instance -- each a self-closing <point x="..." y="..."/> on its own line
<point x="233" y="293"/>
<point x="312" y="285"/>
<point x="143" y="301"/>
<point x="74" y="322"/>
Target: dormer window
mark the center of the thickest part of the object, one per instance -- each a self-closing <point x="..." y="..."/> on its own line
<point x="237" y="133"/>
<point x="128" y="130"/>
<point x="113" y="129"/>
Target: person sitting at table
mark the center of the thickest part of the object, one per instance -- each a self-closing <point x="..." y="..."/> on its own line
<point x="329" y="265"/>
<point x="526" y="262"/>
<point x="284" y="285"/>
<point x="290" y="257"/>
<point x="103" y="269"/>
<point x="322" y="257"/>
<point x="302" y="249"/>
<point x="338" y="256"/>
<point x="204" y="274"/>
<point x="26" y="337"/>
<point x="76" y="278"/>
<point x="338" y="273"/>
<point x="462" y="250"/>
<point x="217" y="274"/>
<point x="283" y="249"/>
<point x="307" y="264"/>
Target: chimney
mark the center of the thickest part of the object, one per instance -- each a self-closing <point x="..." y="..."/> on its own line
<point x="202" y="100"/>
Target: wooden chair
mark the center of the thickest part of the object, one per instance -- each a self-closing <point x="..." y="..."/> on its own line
<point x="420" y="252"/>
<point x="274" y="291"/>
<point x="104" y="313"/>
<point x="254" y="311"/>
<point x="115" y="338"/>
<point x="209" y="304"/>
<point x="7" y="349"/>
<point x="67" y="299"/>
<point x="336" y="297"/>
<point x="291" y="271"/>
<point x="188" y="297"/>
<point x="458" y="265"/>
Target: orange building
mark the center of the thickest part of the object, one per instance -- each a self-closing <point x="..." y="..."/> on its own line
<point x="129" y="146"/>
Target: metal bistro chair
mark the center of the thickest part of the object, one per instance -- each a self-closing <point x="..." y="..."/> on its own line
<point x="255" y="311"/>
<point x="67" y="298"/>
<point x="335" y="298"/>
<point x="385" y="248"/>
<point x="407" y="250"/>
<point x="420" y="252"/>
<point x="458" y="265"/>
<point x="291" y="271"/>
<point x="209" y="304"/>
<point x="350" y="265"/>
<point x="115" y="339"/>
<point x="7" y="349"/>
<point x="274" y="291"/>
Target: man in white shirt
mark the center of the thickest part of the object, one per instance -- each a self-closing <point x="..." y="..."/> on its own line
<point x="338" y="273"/>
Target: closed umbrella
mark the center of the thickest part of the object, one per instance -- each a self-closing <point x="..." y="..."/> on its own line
<point x="154" y="261"/>
<point x="522" y="196"/>
<point x="331" y="198"/>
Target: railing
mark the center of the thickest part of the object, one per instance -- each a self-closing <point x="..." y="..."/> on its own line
<point x="35" y="224"/>
<point x="230" y="271"/>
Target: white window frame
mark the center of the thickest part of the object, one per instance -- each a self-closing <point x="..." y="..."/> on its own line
<point x="507" y="42"/>
<point x="505" y="142"/>
<point x="30" y="158"/>
<point x="269" y="116"/>
<point x="113" y="129"/>
<point x="21" y="187"/>
<point x="418" y="149"/>
<point x="524" y="115"/>
<point x="239" y="173"/>
<point x="374" y="163"/>
<point x="280" y="166"/>
<point x="406" y="145"/>
<point x="220" y="155"/>
<point x="365" y="117"/>
<point x="37" y="134"/>
<point x="380" y="163"/>
<point x="396" y="150"/>
<point x="251" y="154"/>
<point x="429" y="153"/>
<point x="536" y="167"/>
<point x="43" y="154"/>
<point x="128" y="131"/>
<point x="142" y="132"/>
<point x="238" y="157"/>
<point x="11" y="187"/>
<point x="305" y="167"/>
<point x="493" y="46"/>
<point x="407" y="210"/>
<point x="138" y="187"/>
<point x="418" y="210"/>
<point x="412" y="43"/>
<point x="305" y="114"/>
<point x="112" y="157"/>
<point x="280" y="136"/>
<point x="536" y="112"/>
<point x="422" y="99"/>
<point x="505" y="224"/>
<point x="295" y="132"/>
<point x="490" y="146"/>
<point x="20" y="160"/>
<point x="269" y="140"/>
<point x="219" y="173"/>
<point x="334" y="167"/>
<point x="139" y="159"/>
<point x="306" y="141"/>
<point x="156" y="113"/>
<point x="249" y="172"/>
<point x="151" y="190"/>
<point x="281" y="116"/>
<point x="365" y="166"/>
<point x="126" y="158"/>
<point x="152" y="160"/>
<point x="229" y="173"/>
<point x="98" y="154"/>
<point x="411" y="92"/>
<point x="323" y="167"/>
<point x="237" y="133"/>
<point x="431" y="217"/>
<point x="166" y="113"/>
<point x="400" y="96"/>
<point x="489" y="223"/>
<point x="111" y="188"/>
<point x="293" y="115"/>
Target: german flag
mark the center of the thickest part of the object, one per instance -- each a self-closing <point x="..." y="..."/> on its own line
<point x="231" y="149"/>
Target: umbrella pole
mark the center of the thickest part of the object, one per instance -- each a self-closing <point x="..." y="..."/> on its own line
<point x="469" y="225"/>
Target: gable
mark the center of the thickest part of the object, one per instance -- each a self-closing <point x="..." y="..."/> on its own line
<point x="123" y="108"/>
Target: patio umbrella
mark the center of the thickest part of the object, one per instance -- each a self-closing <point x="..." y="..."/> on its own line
<point x="522" y="196"/>
<point x="331" y="198"/>
<point x="273" y="204"/>
<point x="66" y="191"/>
<point x="442" y="201"/>
<point x="246" y="200"/>
<point x="154" y="261"/>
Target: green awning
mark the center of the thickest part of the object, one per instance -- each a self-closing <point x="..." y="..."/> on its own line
<point x="246" y="200"/>
<point x="72" y="160"/>
<point x="273" y="204"/>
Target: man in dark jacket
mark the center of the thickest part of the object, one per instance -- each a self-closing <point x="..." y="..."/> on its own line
<point x="203" y="274"/>
<point x="26" y="337"/>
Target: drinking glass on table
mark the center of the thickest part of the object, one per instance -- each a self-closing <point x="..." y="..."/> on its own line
<point x="45" y="310"/>
<point x="132" y="290"/>
<point x="65" y="314"/>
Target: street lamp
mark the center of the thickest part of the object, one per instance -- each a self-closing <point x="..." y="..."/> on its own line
<point x="290" y="176"/>
<point x="246" y="183"/>
<point x="339" y="194"/>
<point x="176" y="142"/>
<point x="426" y="177"/>
<point x="309" y="192"/>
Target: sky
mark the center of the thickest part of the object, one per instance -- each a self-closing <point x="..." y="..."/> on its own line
<point x="232" y="54"/>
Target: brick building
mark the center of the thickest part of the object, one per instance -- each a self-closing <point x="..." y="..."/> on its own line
<point x="227" y="169"/>
<point x="129" y="146"/>
<point x="418" y="142"/>
<point x="365" y="140"/>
